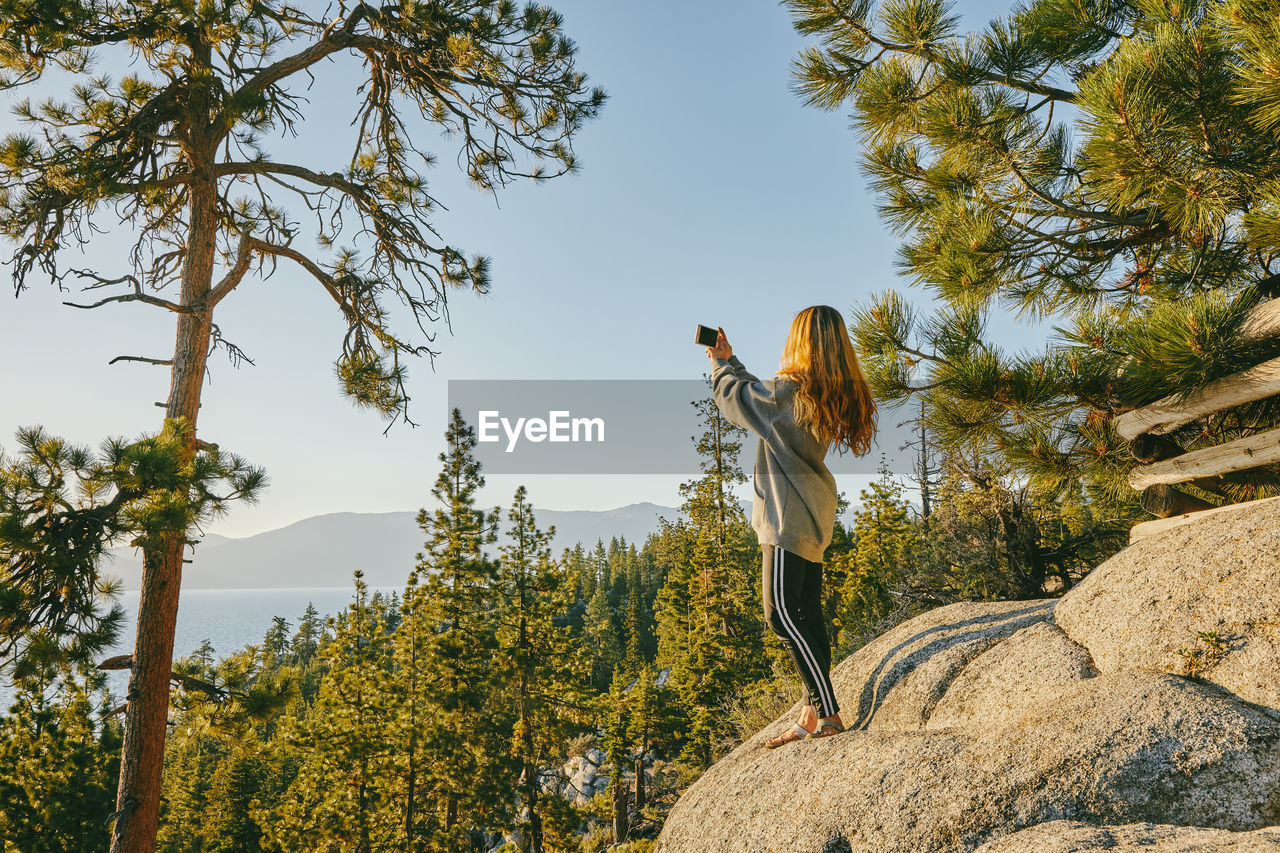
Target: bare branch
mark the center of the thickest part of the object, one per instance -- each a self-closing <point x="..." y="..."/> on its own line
<point x="144" y="298"/>
<point x="137" y="296"/>
<point x="235" y="274"/>
<point x="141" y="358"/>
<point x="234" y="353"/>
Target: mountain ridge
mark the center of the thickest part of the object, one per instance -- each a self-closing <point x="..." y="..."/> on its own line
<point x="324" y="550"/>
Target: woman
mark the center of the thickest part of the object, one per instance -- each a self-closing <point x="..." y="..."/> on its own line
<point x="818" y="399"/>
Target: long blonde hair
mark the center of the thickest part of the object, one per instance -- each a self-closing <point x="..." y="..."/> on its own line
<point x="833" y="400"/>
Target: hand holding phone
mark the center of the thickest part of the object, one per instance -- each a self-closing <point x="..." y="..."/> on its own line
<point x="715" y="341"/>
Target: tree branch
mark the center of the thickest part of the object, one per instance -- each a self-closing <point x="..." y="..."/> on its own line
<point x="928" y="55"/>
<point x="337" y="36"/>
<point x="143" y="359"/>
<point x="235" y="274"/>
<point x="189" y="682"/>
<point x="144" y="298"/>
<point x="318" y="273"/>
<point x="331" y="180"/>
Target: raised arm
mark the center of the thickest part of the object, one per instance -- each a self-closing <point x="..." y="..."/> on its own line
<point x="742" y="398"/>
<point x="740" y="371"/>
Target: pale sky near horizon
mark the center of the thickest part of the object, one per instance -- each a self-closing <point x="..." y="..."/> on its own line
<point x="708" y="194"/>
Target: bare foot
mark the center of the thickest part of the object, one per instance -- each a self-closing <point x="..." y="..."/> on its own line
<point x="829" y="726"/>
<point x="808" y="722"/>
<point x="790" y="735"/>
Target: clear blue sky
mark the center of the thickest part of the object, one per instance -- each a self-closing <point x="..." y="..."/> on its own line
<point x="709" y="193"/>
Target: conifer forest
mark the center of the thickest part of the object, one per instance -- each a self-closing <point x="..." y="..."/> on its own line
<point x="511" y="695"/>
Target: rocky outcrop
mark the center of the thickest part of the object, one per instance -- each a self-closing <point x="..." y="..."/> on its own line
<point x="1151" y="605"/>
<point x="1025" y="672"/>
<point x="579" y="779"/>
<point x="895" y="681"/>
<point x="1045" y="726"/>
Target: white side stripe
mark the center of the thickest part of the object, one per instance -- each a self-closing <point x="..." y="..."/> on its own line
<point x="828" y="701"/>
<point x="779" y="562"/>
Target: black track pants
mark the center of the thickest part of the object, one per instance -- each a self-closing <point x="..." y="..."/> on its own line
<point x="792" y="589"/>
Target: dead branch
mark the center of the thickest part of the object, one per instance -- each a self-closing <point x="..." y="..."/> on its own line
<point x="141" y="358"/>
<point x="187" y="682"/>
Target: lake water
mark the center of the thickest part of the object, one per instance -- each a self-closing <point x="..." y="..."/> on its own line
<point x="228" y="618"/>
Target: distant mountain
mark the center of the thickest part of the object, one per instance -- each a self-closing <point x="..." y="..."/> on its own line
<point x="324" y="550"/>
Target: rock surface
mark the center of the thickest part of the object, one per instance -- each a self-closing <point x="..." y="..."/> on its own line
<point x="1040" y="726"/>
<point x="894" y="681"/>
<point x="1024" y="672"/>
<point x="579" y="779"/>
<point x="1216" y="575"/>
<point x="1062" y="836"/>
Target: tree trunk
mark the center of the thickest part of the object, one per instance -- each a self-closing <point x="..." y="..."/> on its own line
<point x="535" y="819"/>
<point x="1022" y="543"/>
<point x="142" y="755"/>
<point x="639" y="802"/>
<point x="924" y="472"/>
<point x="409" y="835"/>
<point x="412" y="782"/>
<point x="620" y="826"/>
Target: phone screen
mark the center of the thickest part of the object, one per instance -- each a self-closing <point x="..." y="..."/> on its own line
<point x="707" y="336"/>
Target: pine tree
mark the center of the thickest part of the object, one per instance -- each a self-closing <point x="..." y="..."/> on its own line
<point x="603" y="567"/>
<point x="275" y="645"/>
<point x="242" y="777"/>
<point x="454" y="611"/>
<point x="306" y="639"/>
<point x="834" y="571"/>
<point x="348" y="795"/>
<point x="190" y="761"/>
<point x="415" y="674"/>
<point x="600" y="625"/>
<point x="1110" y="167"/>
<point x="617" y="716"/>
<point x="57" y="763"/>
<point x="709" y="610"/>
<point x="640" y="720"/>
<point x="545" y="665"/>
<point x="304" y="652"/>
<point x="618" y="568"/>
<point x="62" y="506"/>
<point x="638" y="624"/>
<point x="993" y="537"/>
<point x="884" y="556"/>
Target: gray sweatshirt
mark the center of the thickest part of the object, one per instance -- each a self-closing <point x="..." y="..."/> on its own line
<point x="795" y="495"/>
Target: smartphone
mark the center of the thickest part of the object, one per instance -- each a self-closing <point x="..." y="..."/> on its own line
<point x="707" y="336"/>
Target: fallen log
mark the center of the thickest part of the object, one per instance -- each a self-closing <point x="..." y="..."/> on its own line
<point x="1239" y="455"/>
<point x="1169" y="413"/>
